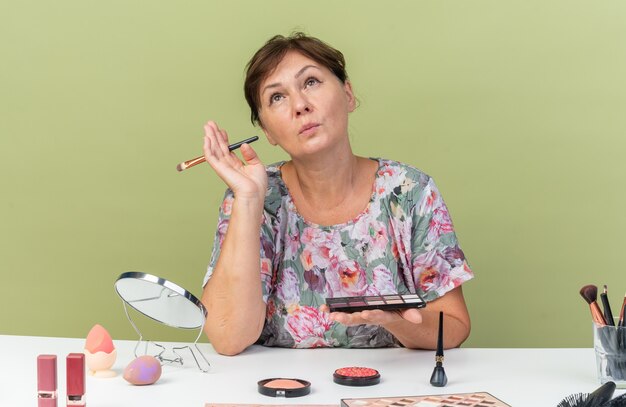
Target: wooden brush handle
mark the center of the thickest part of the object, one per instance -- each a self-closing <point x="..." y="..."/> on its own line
<point x="596" y="314"/>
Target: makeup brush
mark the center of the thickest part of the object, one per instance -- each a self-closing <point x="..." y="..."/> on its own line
<point x="590" y="294"/>
<point x="621" y="313"/>
<point x="574" y="400"/>
<point x="608" y="315"/>
<point x="439" y="378"/>
<point x="195" y="161"/>
<point x="602" y="394"/>
<point x="619" y="401"/>
<point x="598" y="398"/>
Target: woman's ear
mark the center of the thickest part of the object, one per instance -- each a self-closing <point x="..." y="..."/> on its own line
<point x="347" y="86"/>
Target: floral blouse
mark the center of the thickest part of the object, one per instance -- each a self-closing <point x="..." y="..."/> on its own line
<point x="403" y="242"/>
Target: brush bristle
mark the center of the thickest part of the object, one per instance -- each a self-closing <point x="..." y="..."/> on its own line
<point x="574" y="400"/>
<point x="619" y="401"/>
<point x="179" y="167"/>
<point x="589" y="293"/>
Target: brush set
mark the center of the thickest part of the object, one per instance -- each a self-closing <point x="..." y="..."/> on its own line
<point x="609" y="335"/>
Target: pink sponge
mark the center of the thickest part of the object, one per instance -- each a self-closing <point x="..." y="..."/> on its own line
<point x="99" y="340"/>
<point x="143" y="370"/>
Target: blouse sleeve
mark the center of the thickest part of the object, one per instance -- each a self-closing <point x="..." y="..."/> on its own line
<point x="267" y="244"/>
<point x="438" y="263"/>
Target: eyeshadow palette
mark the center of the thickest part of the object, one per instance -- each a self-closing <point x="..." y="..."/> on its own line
<point x="266" y="405"/>
<point x="443" y="400"/>
<point x="383" y="302"/>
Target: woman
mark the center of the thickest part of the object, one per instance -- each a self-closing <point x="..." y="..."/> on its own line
<point x="326" y="223"/>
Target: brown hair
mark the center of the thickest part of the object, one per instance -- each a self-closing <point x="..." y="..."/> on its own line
<point x="267" y="58"/>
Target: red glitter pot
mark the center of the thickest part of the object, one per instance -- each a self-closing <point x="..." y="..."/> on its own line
<point x="356" y="376"/>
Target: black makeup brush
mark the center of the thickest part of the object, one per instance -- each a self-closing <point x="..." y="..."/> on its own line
<point x="621" y="313"/>
<point x="598" y="398"/>
<point x="602" y="394"/>
<point x="574" y="400"/>
<point x="439" y="378"/>
<point x="590" y="294"/>
<point x="608" y="315"/>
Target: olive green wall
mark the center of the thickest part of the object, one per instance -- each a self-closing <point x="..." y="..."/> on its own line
<point x="516" y="108"/>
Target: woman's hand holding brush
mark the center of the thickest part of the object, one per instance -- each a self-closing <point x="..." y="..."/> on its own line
<point x="247" y="179"/>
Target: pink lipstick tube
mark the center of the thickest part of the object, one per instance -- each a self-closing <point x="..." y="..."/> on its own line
<point x="47" y="381"/>
<point x="75" y="365"/>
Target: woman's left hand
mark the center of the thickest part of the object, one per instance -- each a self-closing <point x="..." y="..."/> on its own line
<point x="375" y="316"/>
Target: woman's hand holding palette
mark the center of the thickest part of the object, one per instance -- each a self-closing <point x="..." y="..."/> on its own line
<point x="387" y="302"/>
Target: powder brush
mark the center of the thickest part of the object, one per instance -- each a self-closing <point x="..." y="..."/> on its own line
<point x="590" y="294"/>
<point x="598" y="398"/>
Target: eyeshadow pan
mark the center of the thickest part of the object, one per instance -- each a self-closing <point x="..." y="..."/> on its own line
<point x="387" y="302"/>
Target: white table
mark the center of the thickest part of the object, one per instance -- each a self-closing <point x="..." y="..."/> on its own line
<point x="520" y="377"/>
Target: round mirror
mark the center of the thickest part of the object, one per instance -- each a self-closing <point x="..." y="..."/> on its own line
<point x="161" y="300"/>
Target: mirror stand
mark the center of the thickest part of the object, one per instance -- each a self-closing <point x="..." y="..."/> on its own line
<point x="178" y="359"/>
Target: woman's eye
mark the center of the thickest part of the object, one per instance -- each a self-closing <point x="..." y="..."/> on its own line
<point x="275" y="98"/>
<point x="311" y="81"/>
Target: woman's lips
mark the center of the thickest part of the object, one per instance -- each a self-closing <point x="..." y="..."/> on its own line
<point x="308" y="129"/>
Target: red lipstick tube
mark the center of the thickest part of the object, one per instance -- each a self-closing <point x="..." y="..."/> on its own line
<point x="47" y="381"/>
<point x="75" y="364"/>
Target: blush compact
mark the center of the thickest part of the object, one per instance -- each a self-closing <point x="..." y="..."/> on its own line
<point x="281" y="387"/>
<point x="356" y="376"/>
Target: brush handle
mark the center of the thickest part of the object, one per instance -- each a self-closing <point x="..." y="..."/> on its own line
<point x="191" y="163"/>
<point x="621" y="316"/>
<point x="596" y="314"/>
<point x="608" y="315"/>
<point x="195" y="161"/>
<point x="440" y="336"/>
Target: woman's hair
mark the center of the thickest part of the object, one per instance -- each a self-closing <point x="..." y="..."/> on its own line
<point x="267" y="58"/>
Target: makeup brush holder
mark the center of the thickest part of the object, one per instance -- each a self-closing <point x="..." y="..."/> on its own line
<point x="609" y="343"/>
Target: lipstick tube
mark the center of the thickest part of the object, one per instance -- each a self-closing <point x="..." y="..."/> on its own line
<point x="47" y="381"/>
<point x="75" y="366"/>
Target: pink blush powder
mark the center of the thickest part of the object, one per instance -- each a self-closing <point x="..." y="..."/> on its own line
<point x="284" y="384"/>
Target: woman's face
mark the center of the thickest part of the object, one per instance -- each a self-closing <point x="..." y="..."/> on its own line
<point x="304" y="106"/>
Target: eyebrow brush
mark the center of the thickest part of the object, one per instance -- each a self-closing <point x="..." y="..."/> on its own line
<point x="195" y="161"/>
